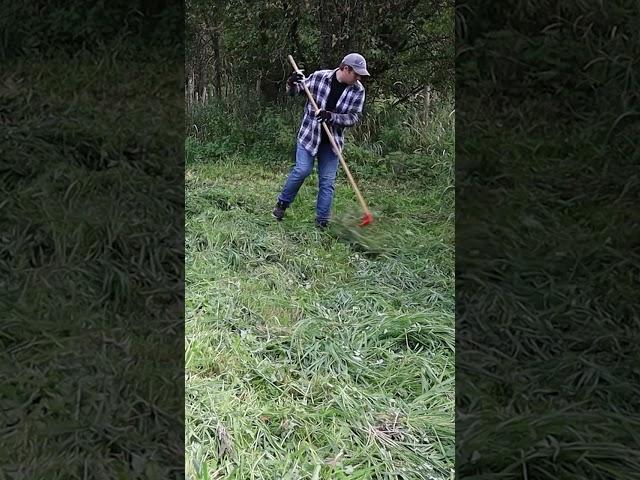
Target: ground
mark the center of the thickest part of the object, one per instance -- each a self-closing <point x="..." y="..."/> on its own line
<point x="310" y="354"/>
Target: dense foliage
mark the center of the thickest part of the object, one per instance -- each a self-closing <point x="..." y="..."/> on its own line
<point x="241" y="46"/>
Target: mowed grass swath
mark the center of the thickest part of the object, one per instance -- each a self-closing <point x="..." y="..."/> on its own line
<point x="320" y="355"/>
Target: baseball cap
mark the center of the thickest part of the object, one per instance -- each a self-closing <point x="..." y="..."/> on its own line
<point x="357" y="62"/>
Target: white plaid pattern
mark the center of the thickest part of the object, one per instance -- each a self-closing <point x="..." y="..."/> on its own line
<point x="348" y="110"/>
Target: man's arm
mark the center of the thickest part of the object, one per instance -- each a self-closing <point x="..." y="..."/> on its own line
<point x="354" y="115"/>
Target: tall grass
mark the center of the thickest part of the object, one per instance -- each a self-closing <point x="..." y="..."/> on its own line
<point x="548" y="262"/>
<point x="398" y="140"/>
<point x="322" y="355"/>
<point x="90" y="268"/>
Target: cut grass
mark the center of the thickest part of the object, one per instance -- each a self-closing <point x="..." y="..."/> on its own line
<point x="320" y="355"/>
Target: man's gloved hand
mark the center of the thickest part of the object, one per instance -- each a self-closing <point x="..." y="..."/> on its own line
<point x="294" y="78"/>
<point x="323" y="116"/>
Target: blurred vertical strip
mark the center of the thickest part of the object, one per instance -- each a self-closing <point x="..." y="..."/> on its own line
<point x="547" y="229"/>
<point x="92" y="239"/>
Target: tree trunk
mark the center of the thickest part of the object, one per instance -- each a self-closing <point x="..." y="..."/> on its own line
<point x="294" y="39"/>
<point x="190" y="87"/>
<point x="217" y="64"/>
<point x="326" y="34"/>
<point x="340" y="24"/>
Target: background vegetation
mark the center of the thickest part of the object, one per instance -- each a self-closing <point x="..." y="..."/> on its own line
<point x="319" y="354"/>
<point x="240" y="49"/>
<point x="91" y="243"/>
<point x="547" y="251"/>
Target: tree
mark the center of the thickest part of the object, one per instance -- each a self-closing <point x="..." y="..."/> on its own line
<point x="407" y="43"/>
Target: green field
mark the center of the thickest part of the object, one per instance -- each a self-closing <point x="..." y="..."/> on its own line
<point x="319" y="354"/>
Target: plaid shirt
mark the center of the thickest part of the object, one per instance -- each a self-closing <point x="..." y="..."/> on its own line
<point x="348" y="110"/>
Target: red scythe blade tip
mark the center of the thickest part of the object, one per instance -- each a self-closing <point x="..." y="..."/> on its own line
<point x="367" y="218"/>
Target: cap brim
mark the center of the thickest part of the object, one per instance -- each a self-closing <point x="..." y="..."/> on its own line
<point x="362" y="72"/>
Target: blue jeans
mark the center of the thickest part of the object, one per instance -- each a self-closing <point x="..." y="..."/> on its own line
<point x="327" y="169"/>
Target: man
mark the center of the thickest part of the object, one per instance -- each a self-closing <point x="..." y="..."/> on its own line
<point x="340" y="97"/>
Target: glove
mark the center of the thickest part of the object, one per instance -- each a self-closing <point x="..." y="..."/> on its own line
<point x="294" y="78"/>
<point x="323" y="116"/>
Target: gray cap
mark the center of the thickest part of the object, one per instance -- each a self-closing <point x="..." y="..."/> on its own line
<point x="357" y="62"/>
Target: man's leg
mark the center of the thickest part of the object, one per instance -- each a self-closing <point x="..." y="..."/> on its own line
<point x="327" y="169"/>
<point x="301" y="170"/>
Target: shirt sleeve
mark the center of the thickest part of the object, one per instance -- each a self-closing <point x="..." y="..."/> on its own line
<point x="353" y="116"/>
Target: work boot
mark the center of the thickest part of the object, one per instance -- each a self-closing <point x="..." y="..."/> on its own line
<point x="322" y="224"/>
<point x="278" y="211"/>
